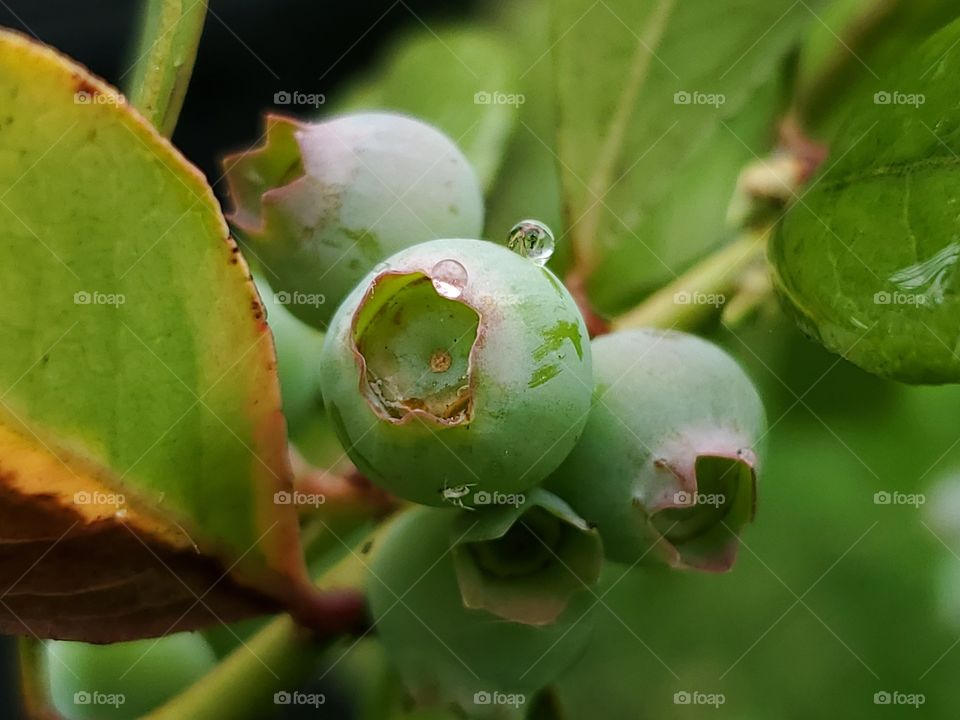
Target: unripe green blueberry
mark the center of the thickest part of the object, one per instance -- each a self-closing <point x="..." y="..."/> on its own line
<point x="298" y="358"/>
<point x="123" y="680"/>
<point x="458" y="367"/>
<point x="320" y="204"/>
<point x="666" y="467"/>
<point x="450" y="640"/>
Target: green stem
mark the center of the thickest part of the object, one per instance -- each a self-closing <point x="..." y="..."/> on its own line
<point x="165" y="56"/>
<point x="242" y="686"/>
<point x="683" y="303"/>
<point x="276" y="659"/>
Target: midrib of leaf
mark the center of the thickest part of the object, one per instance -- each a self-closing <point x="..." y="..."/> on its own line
<point x="585" y="232"/>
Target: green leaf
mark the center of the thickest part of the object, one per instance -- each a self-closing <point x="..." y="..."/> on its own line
<point x="464" y="81"/>
<point x="867" y="258"/>
<point x="655" y="123"/>
<point x="141" y="439"/>
<point x="855" y="45"/>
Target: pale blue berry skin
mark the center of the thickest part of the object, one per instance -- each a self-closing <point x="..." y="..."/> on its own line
<point x="368" y="185"/>
<point x="529" y="379"/>
<point x="442" y="649"/>
<point x="663" y="400"/>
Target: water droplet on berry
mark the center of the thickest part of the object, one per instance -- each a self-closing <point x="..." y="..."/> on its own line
<point x="449" y="278"/>
<point x="533" y="240"/>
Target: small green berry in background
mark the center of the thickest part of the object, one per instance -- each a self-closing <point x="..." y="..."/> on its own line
<point x="564" y="360"/>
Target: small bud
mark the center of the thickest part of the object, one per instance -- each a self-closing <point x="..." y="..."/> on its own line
<point x="666" y="467"/>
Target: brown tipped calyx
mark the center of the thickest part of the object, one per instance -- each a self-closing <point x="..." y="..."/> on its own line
<point x="414" y="350"/>
<point x="698" y="525"/>
<point x="252" y="173"/>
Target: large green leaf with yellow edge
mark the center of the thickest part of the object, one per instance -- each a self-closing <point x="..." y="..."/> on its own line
<point x="141" y="437"/>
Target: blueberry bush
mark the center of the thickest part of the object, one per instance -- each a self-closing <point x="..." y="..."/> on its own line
<point x="577" y="359"/>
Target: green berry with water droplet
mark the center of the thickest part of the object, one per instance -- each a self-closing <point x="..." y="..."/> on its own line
<point x="666" y="468"/>
<point x="320" y="204"/>
<point x="458" y="368"/>
<point x="484" y="602"/>
<point x="123" y="680"/>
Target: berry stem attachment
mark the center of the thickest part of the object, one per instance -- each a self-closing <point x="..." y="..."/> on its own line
<point x="165" y="55"/>
<point x="717" y="277"/>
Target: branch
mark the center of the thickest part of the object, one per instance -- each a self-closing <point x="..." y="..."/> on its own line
<point x="276" y="659"/>
<point x="165" y="56"/>
<point x="681" y="304"/>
